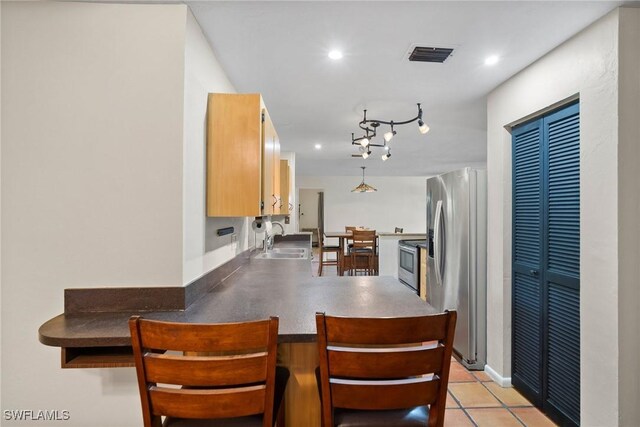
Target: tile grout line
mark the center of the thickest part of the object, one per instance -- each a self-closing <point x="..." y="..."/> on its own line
<point x="464" y="411"/>
<point x="504" y="405"/>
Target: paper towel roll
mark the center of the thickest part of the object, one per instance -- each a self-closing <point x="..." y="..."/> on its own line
<point x="261" y="226"/>
<point x="257" y="226"/>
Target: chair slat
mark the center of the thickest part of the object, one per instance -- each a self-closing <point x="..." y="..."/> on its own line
<point x="206" y="371"/>
<point x="392" y="363"/>
<point x="396" y="330"/>
<point x="379" y="396"/>
<point x="202" y="337"/>
<point x="194" y="403"/>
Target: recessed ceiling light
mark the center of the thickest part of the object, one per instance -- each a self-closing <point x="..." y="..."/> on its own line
<point x="335" y="54"/>
<point x="492" y="60"/>
<point x="318" y="146"/>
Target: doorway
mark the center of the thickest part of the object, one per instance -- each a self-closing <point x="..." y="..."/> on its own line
<point x="309" y="213"/>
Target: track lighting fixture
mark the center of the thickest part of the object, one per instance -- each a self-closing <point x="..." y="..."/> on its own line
<point x="422" y="127"/>
<point x="371" y="126"/>
<point x="388" y="135"/>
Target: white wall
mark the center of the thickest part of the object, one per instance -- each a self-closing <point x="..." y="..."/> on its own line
<point x="586" y="65"/>
<point x="399" y="202"/>
<point x="102" y="181"/>
<point x="628" y="214"/>
<point x="203" y="249"/>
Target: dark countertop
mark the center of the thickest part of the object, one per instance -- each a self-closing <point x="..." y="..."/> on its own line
<point x="260" y="289"/>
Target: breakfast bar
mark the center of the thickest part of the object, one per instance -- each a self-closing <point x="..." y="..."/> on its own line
<point x="257" y="289"/>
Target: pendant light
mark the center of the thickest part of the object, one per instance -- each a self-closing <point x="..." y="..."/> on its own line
<point x="363" y="187"/>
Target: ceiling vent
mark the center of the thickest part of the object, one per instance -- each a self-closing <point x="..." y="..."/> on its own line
<point x="430" y="54"/>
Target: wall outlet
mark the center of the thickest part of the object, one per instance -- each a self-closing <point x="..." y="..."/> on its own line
<point x="287" y="220"/>
<point x="234" y="237"/>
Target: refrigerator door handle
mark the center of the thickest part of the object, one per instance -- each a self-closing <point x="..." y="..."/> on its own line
<point x="437" y="247"/>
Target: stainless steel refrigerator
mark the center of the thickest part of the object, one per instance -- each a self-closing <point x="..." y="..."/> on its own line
<point x="457" y="259"/>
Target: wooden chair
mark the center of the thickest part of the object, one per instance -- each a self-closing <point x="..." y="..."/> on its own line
<point x="384" y="371"/>
<point x="238" y="385"/>
<point x="348" y="242"/>
<point x="327" y="249"/>
<point x="364" y="247"/>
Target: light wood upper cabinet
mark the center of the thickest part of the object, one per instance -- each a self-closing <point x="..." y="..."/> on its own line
<point x="268" y="191"/>
<point x="243" y="157"/>
<point x="285" y="184"/>
<point x="276" y="197"/>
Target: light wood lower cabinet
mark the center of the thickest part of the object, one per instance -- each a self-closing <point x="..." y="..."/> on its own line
<point x="423" y="274"/>
<point x="243" y="157"/>
<point x="301" y="397"/>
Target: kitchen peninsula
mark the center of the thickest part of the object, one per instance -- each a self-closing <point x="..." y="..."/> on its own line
<point x="256" y="289"/>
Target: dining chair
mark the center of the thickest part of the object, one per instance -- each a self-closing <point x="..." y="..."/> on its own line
<point x="384" y="371"/>
<point x="215" y="375"/>
<point x="348" y="243"/>
<point x="327" y="249"/>
<point x="349" y="240"/>
<point x="364" y="248"/>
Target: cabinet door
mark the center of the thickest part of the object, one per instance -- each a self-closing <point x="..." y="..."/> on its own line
<point x="269" y="138"/>
<point x="277" y="193"/>
<point x="284" y="186"/>
<point x="234" y="147"/>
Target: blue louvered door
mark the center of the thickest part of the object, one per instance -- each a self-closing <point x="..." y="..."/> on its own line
<point x="546" y="263"/>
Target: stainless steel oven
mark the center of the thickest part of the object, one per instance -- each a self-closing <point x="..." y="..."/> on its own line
<point x="409" y="263"/>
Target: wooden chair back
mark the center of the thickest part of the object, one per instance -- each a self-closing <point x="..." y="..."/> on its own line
<point x="238" y="381"/>
<point x="364" y="239"/>
<point x="385" y="363"/>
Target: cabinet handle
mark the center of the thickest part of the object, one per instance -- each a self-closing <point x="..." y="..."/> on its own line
<point x="275" y="200"/>
<point x="533" y="273"/>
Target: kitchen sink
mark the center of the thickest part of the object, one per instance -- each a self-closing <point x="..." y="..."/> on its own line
<point x="289" y="251"/>
<point x="285" y="253"/>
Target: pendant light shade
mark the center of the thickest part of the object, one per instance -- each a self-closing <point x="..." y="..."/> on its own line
<point x="363" y="187"/>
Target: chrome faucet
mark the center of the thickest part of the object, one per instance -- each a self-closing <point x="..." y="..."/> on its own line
<point x="268" y="242"/>
<point x="279" y="224"/>
<point x="268" y="238"/>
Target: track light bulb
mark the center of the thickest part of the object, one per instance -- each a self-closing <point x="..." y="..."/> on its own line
<point x="422" y="127"/>
<point x="366" y="155"/>
<point x="387" y="136"/>
<point x="364" y="141"/>
<point x="385" y="157"/>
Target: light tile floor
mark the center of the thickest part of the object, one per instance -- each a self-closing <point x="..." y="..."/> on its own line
<point x="474" y="399"/>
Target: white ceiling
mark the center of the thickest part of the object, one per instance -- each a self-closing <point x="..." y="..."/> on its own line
<point x="280" y="50"/>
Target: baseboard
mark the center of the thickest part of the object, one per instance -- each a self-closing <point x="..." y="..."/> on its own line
<point x="502" y="381"/>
